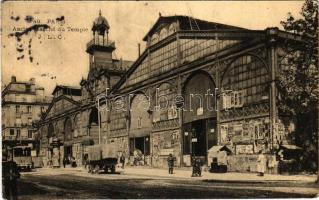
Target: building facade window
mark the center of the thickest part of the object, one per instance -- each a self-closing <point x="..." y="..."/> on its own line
<point x="30" y="133"/>
<point x="18" y="121"/>
<point x="29" y="120"/>
<point x="28" y="88"/>
<point x="246" y="79"/>
<point x="154" y="38"/>
<point x="163" y="102"/>
<point x="29" y="109"/>
<point x="11" y="131"/>
<point x="17" y="109"/>
<point x="163" y="34"/>
<point x="172" y="29"/>
<point x="18" y="133"/>
<point x="194" y="49"/>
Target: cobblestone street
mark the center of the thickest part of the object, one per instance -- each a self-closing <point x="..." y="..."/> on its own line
<point x="140" y="183"/>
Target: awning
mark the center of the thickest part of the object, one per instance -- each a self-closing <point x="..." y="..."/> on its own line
<point x="217" y="148"/>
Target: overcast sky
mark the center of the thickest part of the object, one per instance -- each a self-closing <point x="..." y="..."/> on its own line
<point x="64" y="61"/>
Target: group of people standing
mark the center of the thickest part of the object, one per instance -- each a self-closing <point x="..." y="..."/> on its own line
<point x="197" y="171"/>
<point x="196" y="163"/>
<point x="69" y="160"/>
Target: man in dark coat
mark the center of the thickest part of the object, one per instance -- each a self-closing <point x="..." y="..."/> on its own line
<point x="64" y="161"/>
<point x="196" y="163"/>
<point x="10" y="174"/>
<point x="170" y="161"/>
<point x="122" y="160"/>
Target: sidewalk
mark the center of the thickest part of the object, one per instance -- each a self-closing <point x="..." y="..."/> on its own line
<point x="227" y="177"/>
<point x="185" y="173"/>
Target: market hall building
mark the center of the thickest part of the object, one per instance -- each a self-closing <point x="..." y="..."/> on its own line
<point x="185" y="61"/>
<point x="215" y="81"/>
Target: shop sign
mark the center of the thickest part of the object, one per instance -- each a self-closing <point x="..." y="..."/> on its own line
<point x="166" y="152"/>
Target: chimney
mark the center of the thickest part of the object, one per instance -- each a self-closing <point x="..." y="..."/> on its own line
<point x="32" y="80"/>
<point x="139" y="49"/>
<point x="13" y="79"/>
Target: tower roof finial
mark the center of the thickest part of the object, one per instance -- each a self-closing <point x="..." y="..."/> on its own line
<point x="100" y="12"/>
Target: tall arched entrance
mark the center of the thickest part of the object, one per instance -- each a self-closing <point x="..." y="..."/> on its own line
<point x="68" y="135"/>
<point x="140" y="124"/>
<point x="199" y="115"/>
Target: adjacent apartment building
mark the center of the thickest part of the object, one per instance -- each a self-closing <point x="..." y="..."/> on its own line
<point x="23" y="103"/>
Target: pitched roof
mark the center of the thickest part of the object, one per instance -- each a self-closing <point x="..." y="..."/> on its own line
<point x="185" y="24"/>
<point x="58" y="99"/>
<point x="76" y="91"/>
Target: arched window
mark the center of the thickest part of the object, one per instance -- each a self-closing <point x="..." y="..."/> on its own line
<point x="77" y="125"/>
<point x="247" y="78"/>
<point x="163" y="103"/>
<point x="139" y="113"/>
<point x="154" y="38"/>
<point x="199" y="102"/>
<point x="93" y="118"/>
<point x="118" y="114"/>
<point x="68" y="130"/>
<point x="163" y="34"/>
<point x="172" y="29"/>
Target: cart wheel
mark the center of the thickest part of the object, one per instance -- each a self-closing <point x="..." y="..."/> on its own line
<point x="97" y="169"/>
<point x="113" y="169"/>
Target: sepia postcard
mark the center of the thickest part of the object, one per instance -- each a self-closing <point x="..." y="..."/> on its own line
<point x="159" y="99"/>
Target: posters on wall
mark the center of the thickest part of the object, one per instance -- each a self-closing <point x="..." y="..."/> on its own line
<point x="245" y="130"/>
<point x="245" y="149"/>
<point x="223" y="133"/>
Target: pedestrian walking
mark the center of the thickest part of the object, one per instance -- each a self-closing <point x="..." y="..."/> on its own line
<point x="261" y="164"/>
<point x="122" y="160"/>
<point x="64" y="161"/>
<point x="85" y="160"/>
<point x="170" y="161"/>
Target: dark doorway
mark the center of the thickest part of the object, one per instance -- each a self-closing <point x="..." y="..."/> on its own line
<point x="204" y="136"/>
<point x="140" y="143"/>
<point x="67" y="151"/>
<point x="199" y="131"/>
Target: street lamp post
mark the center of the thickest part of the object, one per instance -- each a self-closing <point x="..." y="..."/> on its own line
<point x="193" y="140"/>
